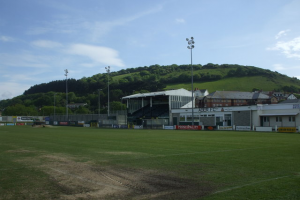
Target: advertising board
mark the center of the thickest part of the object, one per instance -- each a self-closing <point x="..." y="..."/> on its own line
<point x="2" y="124"/>
<point x="119" y="126"/>
<point x="63" y="123"/>
<point x="188" y="127"/>
<point x="264" y="129"/>
<point x="81" y="123"/>
<point x="22" y="119"/>
<point x="169" y="127"/>
<point x="20" y="124"/>
<point x="225" y="128"/>
<point x="138" y="127"/>
<point x="72" y="123"/>
<point x="243" y="128"/>
<point x="287" y="129"/>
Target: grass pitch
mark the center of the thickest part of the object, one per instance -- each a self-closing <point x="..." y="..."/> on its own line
<point x="88" y="163"/>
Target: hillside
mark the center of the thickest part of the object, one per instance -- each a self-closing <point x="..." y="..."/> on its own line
<point x="149" y="79"/>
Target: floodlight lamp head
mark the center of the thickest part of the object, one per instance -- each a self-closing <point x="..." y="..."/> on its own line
<point x="188" y="47"/>
<point x="187" y="39"/>
<point x="192" y="38"/>
<point x="193" y="46"/>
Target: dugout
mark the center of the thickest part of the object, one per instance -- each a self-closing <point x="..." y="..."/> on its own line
<point x="155" y="105"/>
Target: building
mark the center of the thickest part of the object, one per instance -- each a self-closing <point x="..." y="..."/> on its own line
<point x="234" y="98"/>
<point x="260" y="115"/>
<point x="223" y="109"/>
<point x="279" y="95"/>
<point x="155" y="105"/>
<point x="200" y="92"/>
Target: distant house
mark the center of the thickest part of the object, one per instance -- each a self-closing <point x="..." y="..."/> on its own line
<point x="76" y="105"/>
<point x="291" y="96"/>
<point x="200" y="92"/>
<point x="279" y="95"/>
<point x="234" y="98"/>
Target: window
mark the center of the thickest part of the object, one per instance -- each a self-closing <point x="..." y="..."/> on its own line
<point x="291" y="118"/>
<point x="278" y="119"/>
<point x="266" y="119"/>
<point x="189" y="118"/>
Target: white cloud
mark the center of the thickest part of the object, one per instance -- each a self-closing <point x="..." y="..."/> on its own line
<point x="23" y="60"/>
<point x="97" y="54"/>
<point x="6" y="39"/>
<point x="291" y="49"/>
<point x="46" y="44"/>
<point x="9" y="90"/>
<point x="281" y="33"/>
<point x="180" y="20"/>
<point x="278" y="67"/>
<point x="281" y="67"/>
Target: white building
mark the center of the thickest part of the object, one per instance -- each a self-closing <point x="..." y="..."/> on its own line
<point x="261" y="115"/>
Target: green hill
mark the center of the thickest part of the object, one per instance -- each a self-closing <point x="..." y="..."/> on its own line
<point x="239" y="84"/>
<point x="149" y="79"/>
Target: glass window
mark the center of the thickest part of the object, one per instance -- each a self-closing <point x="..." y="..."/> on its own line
<point x="278" y="119"/>
<point x="266" y="119"/>
<point x="189" y="118"/>
<point x="291" y="118"/>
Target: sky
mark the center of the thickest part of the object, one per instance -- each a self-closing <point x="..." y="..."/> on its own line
<point x="40" y="39"/>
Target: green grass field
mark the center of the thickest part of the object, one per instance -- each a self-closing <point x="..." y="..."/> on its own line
<point x="234" y="84"/>
<point x="90" y="163"/>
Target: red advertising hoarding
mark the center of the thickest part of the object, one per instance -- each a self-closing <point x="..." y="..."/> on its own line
<point x="20" y="124"/>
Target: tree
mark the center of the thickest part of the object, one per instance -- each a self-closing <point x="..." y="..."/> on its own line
<point x="116" y="105"/>
<point x="144" y="73"/>
<point x="20" y="110"/>
<point x="82" y="110"/>
<point x="116" y="94"/>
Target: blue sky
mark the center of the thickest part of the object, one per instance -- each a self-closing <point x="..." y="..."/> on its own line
<point x="40" y="39"/>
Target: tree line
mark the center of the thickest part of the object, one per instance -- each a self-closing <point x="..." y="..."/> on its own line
<point x="43" y="97"/>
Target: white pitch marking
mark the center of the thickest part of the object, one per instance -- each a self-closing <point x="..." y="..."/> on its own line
<point x="237" y="187"/>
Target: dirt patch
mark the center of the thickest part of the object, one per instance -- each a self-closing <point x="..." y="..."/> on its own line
<point x="77" y="180"/>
